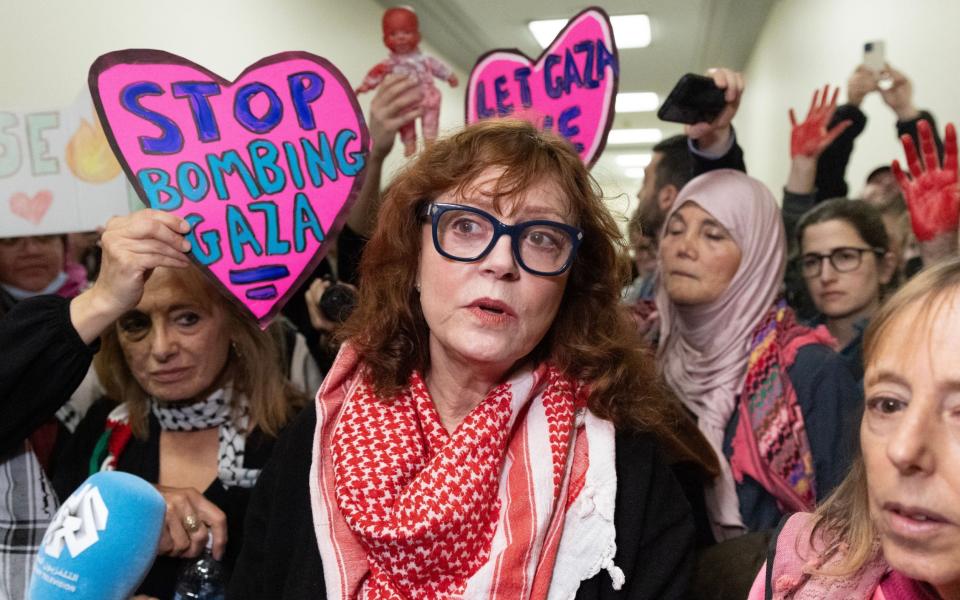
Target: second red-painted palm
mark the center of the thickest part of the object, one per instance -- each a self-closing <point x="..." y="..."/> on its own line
<point x="931" y="189"/>
<point x="811" y="137"/>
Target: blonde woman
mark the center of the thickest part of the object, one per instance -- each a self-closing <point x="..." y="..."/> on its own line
<point x="197" y="394"/>
<point x="892" y="528"/>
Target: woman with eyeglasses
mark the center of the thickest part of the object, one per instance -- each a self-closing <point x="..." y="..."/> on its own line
<point x="846" y="262"/>
<point x="770" y="395"/>
<point x="491" y="427"/>
<point x="33" y="266"/>
<point x="36" y="264"/>
<point x="892" y="529"/>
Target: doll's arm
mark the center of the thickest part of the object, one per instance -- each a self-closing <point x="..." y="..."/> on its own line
<point x="441" y="71"/>
<point x="374" y="77"/>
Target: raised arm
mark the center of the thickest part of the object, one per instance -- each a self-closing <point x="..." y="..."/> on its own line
<point x="48" y="344"/>
<point x="713" y="145"/>
<point x="808" y="140"/>
<point x="396" y="103"/>
<point x="832" y="163"/>
<point x="931" y="192"/>
<point x="714" y="137"/>
<point x="899" y="97"/>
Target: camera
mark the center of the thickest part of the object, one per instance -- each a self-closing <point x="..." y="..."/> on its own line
<point x="337" y="302"/>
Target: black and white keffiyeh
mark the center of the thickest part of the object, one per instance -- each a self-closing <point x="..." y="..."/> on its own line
<point x="222" y="409"/>
<point x="213" y="411"/>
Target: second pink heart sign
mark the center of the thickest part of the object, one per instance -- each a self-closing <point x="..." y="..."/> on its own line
<point x="263" y="167"/>
<point x="569" y="89"/>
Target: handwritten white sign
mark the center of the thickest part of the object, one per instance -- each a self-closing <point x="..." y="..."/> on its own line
<point x="57" y="172"/>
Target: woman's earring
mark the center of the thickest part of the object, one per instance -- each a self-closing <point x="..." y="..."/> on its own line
<point x="416" y="286"/>
<point x="236" y="349"/>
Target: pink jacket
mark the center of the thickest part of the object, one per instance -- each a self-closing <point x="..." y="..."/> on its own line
<point x="795" y="557"/>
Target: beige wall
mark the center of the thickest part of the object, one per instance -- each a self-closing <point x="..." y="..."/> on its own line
<point x="49" y="45"/>
<point x="807" y="43"/>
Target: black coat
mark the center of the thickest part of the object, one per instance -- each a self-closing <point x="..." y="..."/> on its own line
<point x="42" y="361"/>
<point x="141" y="457"/>
<point x="280" y="559"/>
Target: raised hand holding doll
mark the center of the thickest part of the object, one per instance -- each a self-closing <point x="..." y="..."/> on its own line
<point x="401" y="34"/>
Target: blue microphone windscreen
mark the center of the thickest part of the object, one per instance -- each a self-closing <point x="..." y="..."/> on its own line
<point x="101" y="542"/>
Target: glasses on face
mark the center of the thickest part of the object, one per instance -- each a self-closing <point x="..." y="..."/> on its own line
<point x="843" y="260"/>
<point x="467" y="234"/>
<point x="19" y="242"/>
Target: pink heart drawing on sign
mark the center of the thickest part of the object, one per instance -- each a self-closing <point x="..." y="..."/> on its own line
<point x="32" y="209"/>
<point x="263" y="167"/>
<point x="570" y="88"/>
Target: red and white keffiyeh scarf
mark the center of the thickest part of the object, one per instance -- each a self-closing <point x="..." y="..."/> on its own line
<point x="516" y="503"/>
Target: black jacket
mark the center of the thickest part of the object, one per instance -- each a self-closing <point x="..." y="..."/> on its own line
<point x="280" y="559"/>
<point x="43" y="361"/>
<point x="141" y="457"/>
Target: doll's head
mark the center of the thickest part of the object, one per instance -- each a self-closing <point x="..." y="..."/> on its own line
<point x="401" y="30"/>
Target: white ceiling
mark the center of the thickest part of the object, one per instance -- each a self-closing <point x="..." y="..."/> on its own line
<point x="687" y="36"/>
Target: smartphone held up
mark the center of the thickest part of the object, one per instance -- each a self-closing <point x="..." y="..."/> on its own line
<point x="875" y="59"/>
<point x="695" y="99"/>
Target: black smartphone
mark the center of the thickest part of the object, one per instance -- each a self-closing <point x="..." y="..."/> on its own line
<point x="695" y="99"/>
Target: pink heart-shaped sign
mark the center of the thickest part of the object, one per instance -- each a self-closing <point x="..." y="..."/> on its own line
<point x="569" y="89"/>
<point x="31" y="208"/>
<point x="264" y="167"/>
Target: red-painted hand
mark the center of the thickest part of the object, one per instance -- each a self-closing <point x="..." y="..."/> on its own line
<point x="932" y="194"/>
<point x="811" y="137"/>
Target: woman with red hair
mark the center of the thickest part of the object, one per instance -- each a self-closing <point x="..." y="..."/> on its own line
<point x="492" y="426"/>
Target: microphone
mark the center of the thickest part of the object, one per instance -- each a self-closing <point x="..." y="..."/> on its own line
<point x="101" y="542"/>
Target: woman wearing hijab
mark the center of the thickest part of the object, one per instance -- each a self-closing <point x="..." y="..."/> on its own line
<point x="771" y="397"/>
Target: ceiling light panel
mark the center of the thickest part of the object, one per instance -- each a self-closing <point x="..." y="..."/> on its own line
<point x="629" y="31"/>
<point x="637" y="102"/>
<point x="634" y="136"/>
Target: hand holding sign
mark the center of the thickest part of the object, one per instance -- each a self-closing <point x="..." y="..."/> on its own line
<point x="262" y="168"/>
<point x="133" y="246"/>
<point x="570" y="88"/>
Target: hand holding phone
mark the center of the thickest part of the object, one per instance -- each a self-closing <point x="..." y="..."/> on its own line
<point x="695" y="99"/>
<point x="861" y="82"/>
<point x="710" y="126"/>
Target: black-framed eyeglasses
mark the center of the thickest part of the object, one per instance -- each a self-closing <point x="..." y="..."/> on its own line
<point x="467" y="234"/>
<point x="843" y="260"/>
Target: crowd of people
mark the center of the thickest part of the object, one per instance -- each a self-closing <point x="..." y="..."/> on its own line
<point x="763" y="403"/>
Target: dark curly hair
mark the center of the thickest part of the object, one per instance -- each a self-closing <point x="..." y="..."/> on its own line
<point x="592" y="338"/>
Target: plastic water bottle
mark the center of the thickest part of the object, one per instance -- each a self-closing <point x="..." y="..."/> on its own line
<point x="202" y="579"/>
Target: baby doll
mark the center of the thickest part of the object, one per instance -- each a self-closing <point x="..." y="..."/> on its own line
<point x="401" y="34"/>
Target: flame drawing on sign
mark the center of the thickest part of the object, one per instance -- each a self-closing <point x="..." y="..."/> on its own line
<point x="89" y="156"/>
